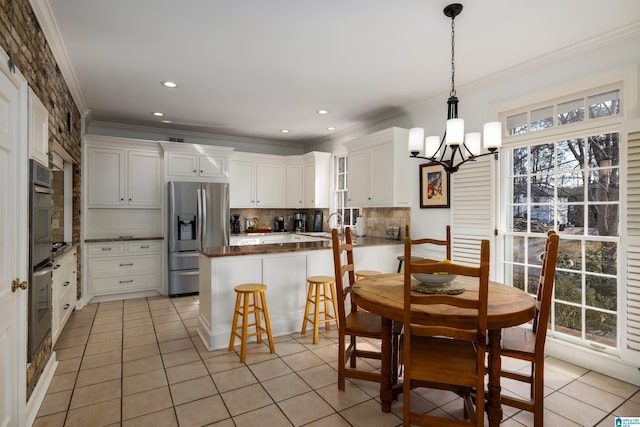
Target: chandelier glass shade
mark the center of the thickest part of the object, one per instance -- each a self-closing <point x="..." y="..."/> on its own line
<point x="455" y="144"/>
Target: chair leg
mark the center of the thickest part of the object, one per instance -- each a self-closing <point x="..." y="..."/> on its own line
<point x="538" y="395"/>
<point x="352" y="359"/>
<point x="341" y="363"/>
<point x="326" y="294"/>
<point x="245" y="327"/>
<point x="267" y="322"/>
<point x="306" y="309"/>
<point x="234" y="325"/>
<point x="334" y="298"/>
<point x="316" y="312"/>
<point x="256" y="316"/>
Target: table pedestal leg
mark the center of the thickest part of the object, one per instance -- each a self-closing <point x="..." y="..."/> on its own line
<point x="494" y="407"/>
<point x="386" y="393"/>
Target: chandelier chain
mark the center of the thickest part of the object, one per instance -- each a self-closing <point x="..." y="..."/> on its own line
<point x="453" y="63"/>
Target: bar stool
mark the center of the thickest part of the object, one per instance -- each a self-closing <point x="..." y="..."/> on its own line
<point x="361" y="274"/>
<point x="321" y="294"/>
<point x="400" y="258"/>
<point x="244" y="308"/>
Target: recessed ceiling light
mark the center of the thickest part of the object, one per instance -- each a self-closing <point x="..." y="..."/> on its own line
<point x="284" y="130"/>
<point x="169" y="84"/>
<point x="331" y="128"/>
<point x="323" y="112"/>
<point x="157" y="114"/>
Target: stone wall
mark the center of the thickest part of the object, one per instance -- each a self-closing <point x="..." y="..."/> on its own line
<point x="22" y="38"/>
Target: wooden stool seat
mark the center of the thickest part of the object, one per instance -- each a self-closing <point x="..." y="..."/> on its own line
<point x="361" y="274"/>
<point x="322" y="295"/>
<point x="244" y="308"/>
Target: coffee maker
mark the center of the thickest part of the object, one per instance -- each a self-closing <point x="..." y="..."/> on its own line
<point x="235" y="224"/>
<point x="299" y="222"/>
<point x="278" y="224"/>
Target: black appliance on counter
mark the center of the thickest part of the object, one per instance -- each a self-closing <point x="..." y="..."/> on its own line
<point x="40" y="265"/>
<point x="278" y="224"/>
<point x="235" y="224"/>
<point x="299" y="222"/>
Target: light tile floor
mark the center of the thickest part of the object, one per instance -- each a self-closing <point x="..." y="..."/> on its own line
<point x="140" y="363"/>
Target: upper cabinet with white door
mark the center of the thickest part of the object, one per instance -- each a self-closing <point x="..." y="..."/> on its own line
<point x="317" y="173"/>
<point x="379" y="169"/>
<point x="38" y="134"/>
<point x="294" y="182"/>
<point x="196" y="162"/>
<point x="256" y="180"/>
<point x="123" y="173"/>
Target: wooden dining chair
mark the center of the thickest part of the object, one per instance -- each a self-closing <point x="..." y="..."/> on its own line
<point x="446" y="242"/>
<point x="445" y="355"/>
<point x="527" y="343"/>
<point x="354" y="323"/>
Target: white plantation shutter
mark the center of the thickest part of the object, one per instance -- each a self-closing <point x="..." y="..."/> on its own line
<point x="631" y="292"/>
<point x="473" y="190"/>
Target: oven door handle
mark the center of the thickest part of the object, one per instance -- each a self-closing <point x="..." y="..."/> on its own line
<point x="43" y="272"/>
<point x="43" y="190"/>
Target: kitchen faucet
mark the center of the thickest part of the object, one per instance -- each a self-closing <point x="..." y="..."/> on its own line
<point x="341" y="229"/>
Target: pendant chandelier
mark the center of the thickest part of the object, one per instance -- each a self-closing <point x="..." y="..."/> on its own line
<point x="460" y="147"/>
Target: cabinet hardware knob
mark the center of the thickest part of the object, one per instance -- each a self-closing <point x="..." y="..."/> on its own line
<point x="106" y="249"/>
<point x="194" y="171"/>
<point x="130" y="199"/>
<point x="201" y="171"/>
<point x="66" y="306"/>
<point x="66" y="284"/>
<point x="144" y="247"/>
<point x="126" y="281"/>
<point x="121" y="199"/>
<point x="124" y="265"/>
<point x="16" y="283"/>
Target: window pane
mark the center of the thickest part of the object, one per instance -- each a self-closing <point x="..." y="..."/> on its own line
<point x="601" y="292"/>
<point x="536" y="250"/>
<point x="604" y="104"/>
<point x="571" y="112"/>
<point x="569" y="255"/>
<point x="602" y="220"/>
<point x="604" y="150"/>
<point x="518" y="249"/>
<point x="570" y="154"/>
<point x="575" y="219"/>
<point x="342" y="182"/>
<point x="517" y="124"/>
<point x="542" y="217"/>
<point x="601" y="327"/>
<point x="518" y="277"/>
<point x="542" y="159"/>
<point x="568" y="287"/>
<point x="520" y="163"/>
<point x="519" y="218"/>
<point x="570" y="187"/>
<point x="568" y="319"/>
<point x="542" y="118"/>
<point x="601" y="257"/>
<point x="520" y="191"/>
<point x="342" y="164"/>
<point x="533" y="280"/>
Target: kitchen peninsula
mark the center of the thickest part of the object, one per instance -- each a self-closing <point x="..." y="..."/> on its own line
<point x="284" y="268"/>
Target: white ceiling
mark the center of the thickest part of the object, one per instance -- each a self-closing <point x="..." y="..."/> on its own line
<point x="253" y="67"/>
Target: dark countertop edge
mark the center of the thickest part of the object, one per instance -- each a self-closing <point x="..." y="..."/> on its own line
<point x="117" y="239"/>
<point x="225" y="251"/>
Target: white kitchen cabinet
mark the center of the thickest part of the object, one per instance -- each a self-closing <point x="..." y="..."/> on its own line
<point x="123" y="267"/>
<point x="38" y="134"/>
<point x="123" y="178"/>
<point x="63" y="291"/>
<point x="317" y="173"/>
<point x="183" y="165"/>
<point x="254" y="182"/>
<point x="379" y="169"/>
<point x="294" y="179"/>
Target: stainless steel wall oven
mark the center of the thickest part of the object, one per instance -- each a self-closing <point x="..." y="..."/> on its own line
<point x="40" y="266"/>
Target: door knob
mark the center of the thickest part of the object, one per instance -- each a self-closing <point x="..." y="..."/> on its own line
<point x="15" y="284"/>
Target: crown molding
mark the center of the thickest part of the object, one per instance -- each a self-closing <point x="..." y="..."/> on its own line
<point x="52" y="34"/>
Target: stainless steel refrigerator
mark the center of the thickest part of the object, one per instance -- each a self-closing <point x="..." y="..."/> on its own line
<point x="198" y="218"/>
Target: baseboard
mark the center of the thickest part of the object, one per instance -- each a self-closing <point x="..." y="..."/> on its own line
<point x="34" y="402"/>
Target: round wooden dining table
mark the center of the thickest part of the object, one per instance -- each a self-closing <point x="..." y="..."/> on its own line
<point x="507" y="306"/>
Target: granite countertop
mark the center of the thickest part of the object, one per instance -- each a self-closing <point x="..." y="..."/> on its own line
<point x="220" y="251"/>
<point x="121" y="239"/>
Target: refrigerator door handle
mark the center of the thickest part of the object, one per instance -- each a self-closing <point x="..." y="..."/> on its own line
<point x="199" y="221"/>
<point x="203" y="217"/>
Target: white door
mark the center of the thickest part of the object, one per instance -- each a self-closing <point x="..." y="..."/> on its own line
<point x="12" y="255"/>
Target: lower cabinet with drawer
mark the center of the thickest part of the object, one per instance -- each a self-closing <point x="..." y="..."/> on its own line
<point x="63" y="290"/>
<point x="123" y="267"/>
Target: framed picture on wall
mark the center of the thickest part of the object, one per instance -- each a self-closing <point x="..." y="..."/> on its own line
<point x="434" y="186"/>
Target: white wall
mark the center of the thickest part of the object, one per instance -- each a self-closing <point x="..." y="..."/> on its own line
<point x="563" y="73"/>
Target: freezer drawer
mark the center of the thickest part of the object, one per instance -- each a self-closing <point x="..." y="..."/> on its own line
<point x="184" y="282"/>
<point x="184" y="260"/>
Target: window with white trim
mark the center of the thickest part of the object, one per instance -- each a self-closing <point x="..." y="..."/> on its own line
<point x="562" y="172"/>
<point x="349" y="213"/>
